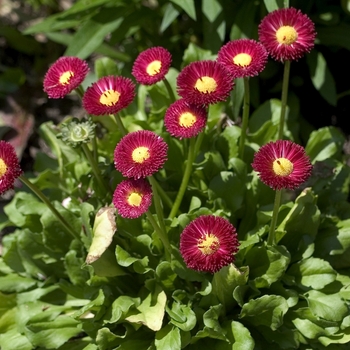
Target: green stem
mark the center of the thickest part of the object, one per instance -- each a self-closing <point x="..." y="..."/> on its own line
<point x="103" y="186"/>
<point x="165" y="198"/>
<point x="54" y="211"/>
<point x="276" y="206"/>
<point x="162" y="235"/>
<point x="80" y="91"/>
<point x="284" y="97"/>
<point x="185" y="179"/>
<point x="245" y="117"/>
<point x="157" y="202"/>
<point x="120" y="124"/>
<point x="170" y="90"/>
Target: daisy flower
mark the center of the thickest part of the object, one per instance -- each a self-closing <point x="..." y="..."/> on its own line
<point x="243" y="57"/>
<point x="204" y="82"/>
<point x="287" y="34"/>
<point x="65" y="75"/>
<point x="10" y="169"/>
<point x="208" y="243"/>
<point x="109" y="95"/>
<point x="282" y="164"/>
<point x="132" y="198"/>
<point x="185" y="120"/>
<point x="151" y="65"/>
<point x="140" y="154"/>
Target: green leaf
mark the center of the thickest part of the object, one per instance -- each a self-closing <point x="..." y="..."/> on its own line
<point x="329" y="307"/>
<point x="334" y="35"/>
<point x="120" y="307"/>
<point x="106" y="66"/>
<point x="187" y="6"/>
<point x="13" y="283"/>
<point x="151" y="310"/>
<point x="92" y="33"/>
<point x="195" y="53"/>
<point x="272" y="5"/>
<point x="14" y="340"/>
<point x="239" y="336"/>
<point x="103" y="232"/>
<point x="325" y="143"/>
<point x="313" y="272"/>
<point x="266" y="264"/>
<point x="267" y="310"/>
<point x="321" y="77"/>
<point x="168" y="338"/>
<point x="169" y="16"/>
<point x="182" y="316"/>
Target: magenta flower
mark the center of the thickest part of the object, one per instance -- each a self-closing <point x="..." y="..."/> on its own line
<point x="109" y="95"/>
<point x="287" y="34"/>
<point x="151" y="65"/>
<point x="282" y="164"/>
<point x="208" y="243"/>
<point x="65" y="75"/>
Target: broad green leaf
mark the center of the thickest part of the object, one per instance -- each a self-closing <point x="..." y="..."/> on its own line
<point x="195" y="53"/>
<point x="321" y="77"/>
<point x="313" y="272"/>
<point x="166" y="276"/>
<point x="103" y="232"/>
<point x="272" y="5"/>
<point x="239" y="336"/>
<point x="182" y="316"/>
<point x="106" y="66"/>
<point x="329" y="307"/>
<point x="227" y="142"/>
<point x="324" y="143"/>
<point x="13" y="340"/>
<point x="125" y="259"/>
<point x="169" y="16"/>
<point x="168" y="338"/>
<point x="267" y="310"/>
<point x="105" y="339"/>
<point x="151" y="310"/>
<point x="267" y="264"/>
<point x="13" y="283"/>
<point x="310" y="329"/>
<point x="120" y="307"/>
<point x="93" y="32"/>
<point x="187" y="6"/>
<point x="225" y="281"/>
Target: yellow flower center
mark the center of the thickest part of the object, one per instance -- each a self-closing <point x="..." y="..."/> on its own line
<point x="140" y="154"/>
<point x="154" y="68"/>
<point x="3" y="168"/>
<point x="282" y="167"/>
<point x="206" y="85"/>
<point x="65" y="77"/>
<point x="187" y="119"/>
<point x="134" y="199"/>
<point x="242" y="59"/>
<point x="109" y="98"/>
<point x="209" y="244"/>
<point x="286" y="35"/>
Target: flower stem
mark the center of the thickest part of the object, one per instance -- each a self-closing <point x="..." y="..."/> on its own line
<point x="284" y="97"/>
<point x="170" y="90"/>
<point x="157" y="202"/>
<point x="185" y="178"/>
<point x="103" y="186"/>
<point x="54" y="211"/>
<point x="246" y="106"/>
<point x="165" y="198"/>
<point x="120" y="124"/>
<point x="162" y="235"/>
<point x="276" y="206"/>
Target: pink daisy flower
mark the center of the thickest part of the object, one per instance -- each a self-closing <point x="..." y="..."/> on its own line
<point x="132" y="198"/>
<point x="65" y="75"/>
<point x="282" y="164"/>
<point x="208" y="243"/>
<point x="140" y="154"/>
<point x="185" y="120"/>
<point x="243" y="57"/>
<point x="10" y="169"/>
<point x="109" y="95"/>
<point x="151" y="65"/>
<point x="287" y="34"/>
<point x="204" y="82"/>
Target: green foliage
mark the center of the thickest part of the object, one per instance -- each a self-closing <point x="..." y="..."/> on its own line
<point x="113" y="286"/>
